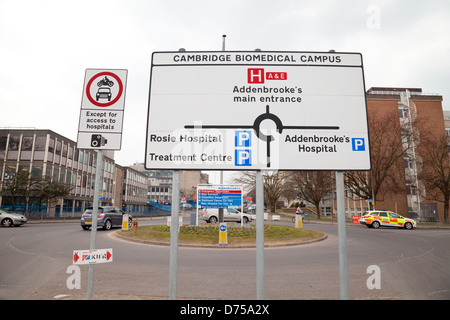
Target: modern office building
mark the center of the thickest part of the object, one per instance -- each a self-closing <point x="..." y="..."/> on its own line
<point x="134" y="191"/>
<point x="46" y="153"/>
<point x="160" y="183"/>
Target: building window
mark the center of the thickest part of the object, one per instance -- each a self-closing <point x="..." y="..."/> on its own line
<point x="3" y="142"/>
<point x="39" y="148"/>
<point x="13" y="147"/>
<point x="27" y="147"/>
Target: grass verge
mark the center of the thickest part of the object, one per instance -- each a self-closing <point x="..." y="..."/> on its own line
<point x="208" y="234"/>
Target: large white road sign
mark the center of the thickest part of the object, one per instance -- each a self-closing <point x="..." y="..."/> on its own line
<point x="257" y="111"/>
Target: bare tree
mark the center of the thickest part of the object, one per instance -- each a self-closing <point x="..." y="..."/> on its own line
<point x="312" y="186"/>
<point x="26" y="185"/>
<point x="273" y="184"/>
<point x="435" y="172"/>
<point x="389" y="142"/>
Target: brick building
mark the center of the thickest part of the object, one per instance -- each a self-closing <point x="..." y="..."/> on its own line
<point x="422" y="114"/>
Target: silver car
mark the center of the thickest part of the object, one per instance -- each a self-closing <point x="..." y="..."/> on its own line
<point x="108" y="217"/>
<point x="212" y="215"/>
<point x="8" y="219"/>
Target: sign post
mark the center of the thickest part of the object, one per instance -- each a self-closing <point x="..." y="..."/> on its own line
<point x="257" y="111"/>
<point x="100" y="128"/>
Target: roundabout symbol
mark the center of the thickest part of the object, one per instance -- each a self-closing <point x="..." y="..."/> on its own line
<point x="257" y="128"/>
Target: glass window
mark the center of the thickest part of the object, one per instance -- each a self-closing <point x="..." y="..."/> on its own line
<point x="383" y="214"/>
<point x="394" y="215"/>
<point x="10" y="170"/>
<point x="3" y="142"/>
<point x="40" y="143"/>
<point x="58" y="152"/>
<point x="27" y="147"/>
<point x="51" y="145"/>
<point x="36" y="170"/>
<point x="13" y="147"/>
<point x="39" y="148"/>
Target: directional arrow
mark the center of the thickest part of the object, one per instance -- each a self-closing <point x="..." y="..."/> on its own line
<point x="75" y="257"/>
<point x="92" y="256"/>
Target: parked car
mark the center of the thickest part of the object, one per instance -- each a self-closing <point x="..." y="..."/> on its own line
<point x="186" y="206"/>
<point x="380" y="218"/>
<point x="8" y="219"/>
<point x="212" y="215"/>
<point x="252" y="208"/>
<point x="108" y="217"/>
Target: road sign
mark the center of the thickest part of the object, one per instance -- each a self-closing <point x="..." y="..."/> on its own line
<point x="218" y="196"/>
<point x="93" y="256"/>
<point x="102" y="108"/>
<point x="223" y="233"/>
<point x="257" y="111"/>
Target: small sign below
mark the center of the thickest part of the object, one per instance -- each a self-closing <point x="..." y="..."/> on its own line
<point x="92" y="256"/>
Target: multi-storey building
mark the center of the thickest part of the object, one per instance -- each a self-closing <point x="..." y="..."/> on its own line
<point x="421" y="114"/>
<point x="134" y="190"/>
<point x="46" y="153"/>
<point x="160" y="183"/>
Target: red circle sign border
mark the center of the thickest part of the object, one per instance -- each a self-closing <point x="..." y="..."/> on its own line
<point x="88" y="88"/>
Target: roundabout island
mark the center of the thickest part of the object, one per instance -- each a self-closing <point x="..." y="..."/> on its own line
<point x="207" y="236"/>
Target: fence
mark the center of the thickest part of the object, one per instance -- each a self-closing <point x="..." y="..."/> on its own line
<point x="43" y="212"/>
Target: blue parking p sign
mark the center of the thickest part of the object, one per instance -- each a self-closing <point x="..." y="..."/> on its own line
<point x="358" y="144"/>
<point x="242" y="143"/>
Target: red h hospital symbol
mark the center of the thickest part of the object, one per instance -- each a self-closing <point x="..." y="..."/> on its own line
<point x="255" y="75"/>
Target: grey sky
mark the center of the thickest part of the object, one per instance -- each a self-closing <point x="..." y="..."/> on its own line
<point x="45" y="47"/>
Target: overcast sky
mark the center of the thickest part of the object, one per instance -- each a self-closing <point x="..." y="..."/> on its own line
<point x="45" y="47"/>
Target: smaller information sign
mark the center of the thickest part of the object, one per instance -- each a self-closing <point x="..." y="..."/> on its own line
<point x="92" y="256"/>
<point x="219" y="196"/>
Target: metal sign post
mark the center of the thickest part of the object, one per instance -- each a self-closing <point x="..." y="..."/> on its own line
<point x="313" y="115"/>
<point x="173" y="268"/>
<point x="340" y="199"/>
<point x="100" y="128"/>
<point x="259" y="236"/>
<point x="97" y="190"/>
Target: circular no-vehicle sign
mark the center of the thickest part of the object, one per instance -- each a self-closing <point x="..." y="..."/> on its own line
<point x="104" y="89"/>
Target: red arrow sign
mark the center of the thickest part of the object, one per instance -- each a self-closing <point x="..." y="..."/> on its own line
<point x="108" y="255"/>
<point x="75" y="257"/>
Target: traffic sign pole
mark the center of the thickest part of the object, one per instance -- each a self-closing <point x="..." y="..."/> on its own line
<point x="259" y="236"/>
<point x="340" y="199"/>
<point x="97" y="190"/>
<point x="173" y="268"/>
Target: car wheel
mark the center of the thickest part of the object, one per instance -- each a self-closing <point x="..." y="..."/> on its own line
<point x="245" y="219"/>
<point x="7" y="222"/>
<point x="107" y="225"/>
<point x="375" y="224"/>
<point x="212" y="219"/>
<point x="408" y="225"/>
